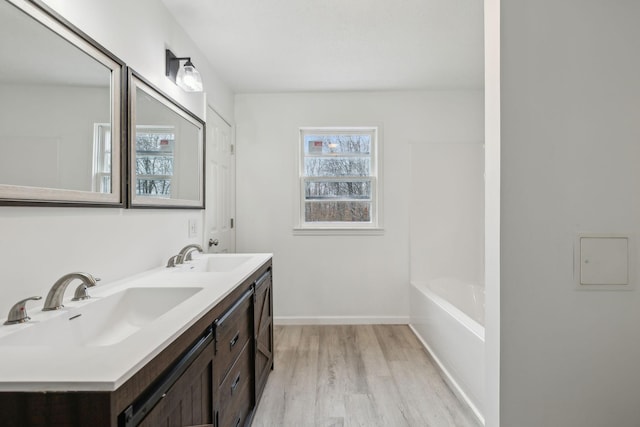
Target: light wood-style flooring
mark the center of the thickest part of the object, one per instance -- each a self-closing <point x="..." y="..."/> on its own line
<point x="364" y="375"/>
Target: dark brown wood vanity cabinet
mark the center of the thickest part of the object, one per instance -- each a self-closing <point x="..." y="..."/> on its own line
<point x="233" y="374"/>
<point x="188" y="402"/>
<point x="263" y="330"/>
<point x="211" y="375"/>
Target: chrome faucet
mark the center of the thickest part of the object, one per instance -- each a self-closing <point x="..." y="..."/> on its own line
<point x="18" y="313"/>
<point x="81" y="291"/>
<point x="172" y="261"/>
<point x="185" y="253"/>
<point x="54" y="297"/>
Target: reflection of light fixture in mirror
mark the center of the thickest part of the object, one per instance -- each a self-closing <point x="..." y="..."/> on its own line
<point x="185" y="76"/>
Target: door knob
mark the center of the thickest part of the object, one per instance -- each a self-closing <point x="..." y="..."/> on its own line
<point x="213" y="242"/>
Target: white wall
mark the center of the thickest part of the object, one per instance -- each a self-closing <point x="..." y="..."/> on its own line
<point x="138" y="32"/>
<point x="338" y="278"/>
<point x="38" y="245"/>
<point x="35" y="131"/>
<point x="447" y="212"/>
<point x="492" y="211"/>
<point x="570" y="163"/>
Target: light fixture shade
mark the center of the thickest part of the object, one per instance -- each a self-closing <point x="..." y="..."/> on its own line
<point x="188" y="78"/>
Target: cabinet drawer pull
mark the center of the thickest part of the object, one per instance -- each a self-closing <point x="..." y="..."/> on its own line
<point x="235" y="384"/>
<point x="234" y="340"/>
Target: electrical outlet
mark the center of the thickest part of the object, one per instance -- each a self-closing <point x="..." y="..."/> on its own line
<point x="193" y="228"/>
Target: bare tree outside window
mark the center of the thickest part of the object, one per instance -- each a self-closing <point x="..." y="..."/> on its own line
<point x="338" y="176"/>
<point x="154" y="161"/>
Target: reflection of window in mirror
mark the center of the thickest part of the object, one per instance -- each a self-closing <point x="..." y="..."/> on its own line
<point x="101" y="158"/>
<point x="155" y="151"/>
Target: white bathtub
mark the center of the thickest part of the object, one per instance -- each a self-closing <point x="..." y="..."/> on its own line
<point x="453" y="334"/>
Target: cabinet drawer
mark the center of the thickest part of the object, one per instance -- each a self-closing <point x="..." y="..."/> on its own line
<point x="232" y="331"/>
<point x="236" y="392"/>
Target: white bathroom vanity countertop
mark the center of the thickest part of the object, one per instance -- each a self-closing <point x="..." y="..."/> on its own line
<point x="105" y="367"/>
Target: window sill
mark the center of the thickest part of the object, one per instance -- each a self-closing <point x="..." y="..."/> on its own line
<point x="297" y="231"/>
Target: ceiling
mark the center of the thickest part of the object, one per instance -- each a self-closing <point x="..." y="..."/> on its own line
<point x="338" y="45"/>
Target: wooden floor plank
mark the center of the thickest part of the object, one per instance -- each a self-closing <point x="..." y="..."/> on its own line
<point x="391" y="408"/>
<point x="361" y="411"/>
<point x="375" y="364"/>
<point x="330" y="387"/>
<point x="352" y="372"/>
<point x="365" y="375"/>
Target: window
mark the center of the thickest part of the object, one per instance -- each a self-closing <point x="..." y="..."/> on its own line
<point x="101" y="158"/>
<point x="338" y="176"/>
<point x="155" y="150"/>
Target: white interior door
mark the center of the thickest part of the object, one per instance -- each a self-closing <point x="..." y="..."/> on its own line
<point x="220" y="235"/>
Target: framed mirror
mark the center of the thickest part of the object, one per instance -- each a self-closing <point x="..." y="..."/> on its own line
<point x="166" y="150"/>
<point x="61" y="112"/>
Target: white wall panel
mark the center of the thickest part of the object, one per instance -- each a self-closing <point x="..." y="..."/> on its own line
<point x="570" y="154"/>
<point x="324" y="278"/>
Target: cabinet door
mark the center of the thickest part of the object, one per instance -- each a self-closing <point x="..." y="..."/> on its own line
<point x="263" y="329"/>
<point x="189" y="401"/>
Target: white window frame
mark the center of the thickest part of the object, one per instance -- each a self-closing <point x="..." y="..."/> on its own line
<point x="375" y="226"/>
<point x="102" y="149"/>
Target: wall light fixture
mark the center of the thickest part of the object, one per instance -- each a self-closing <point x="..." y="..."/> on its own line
<point x="185" y="76"/>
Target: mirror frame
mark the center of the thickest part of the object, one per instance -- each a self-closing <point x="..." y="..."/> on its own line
<point x="43" y="196"/>
<point x="137" y="81"/>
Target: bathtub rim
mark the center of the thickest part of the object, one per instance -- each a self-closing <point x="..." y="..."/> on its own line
<point x="467" y="321"/>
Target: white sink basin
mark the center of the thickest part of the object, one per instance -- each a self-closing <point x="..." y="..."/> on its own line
<point x="103" y="321"/>
<point x="225" y="263"/>
<point x="218" y="263"/>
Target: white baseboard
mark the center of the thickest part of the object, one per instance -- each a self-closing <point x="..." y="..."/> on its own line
<point x="341" y="320"/>
<point x="448" y="378"/>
